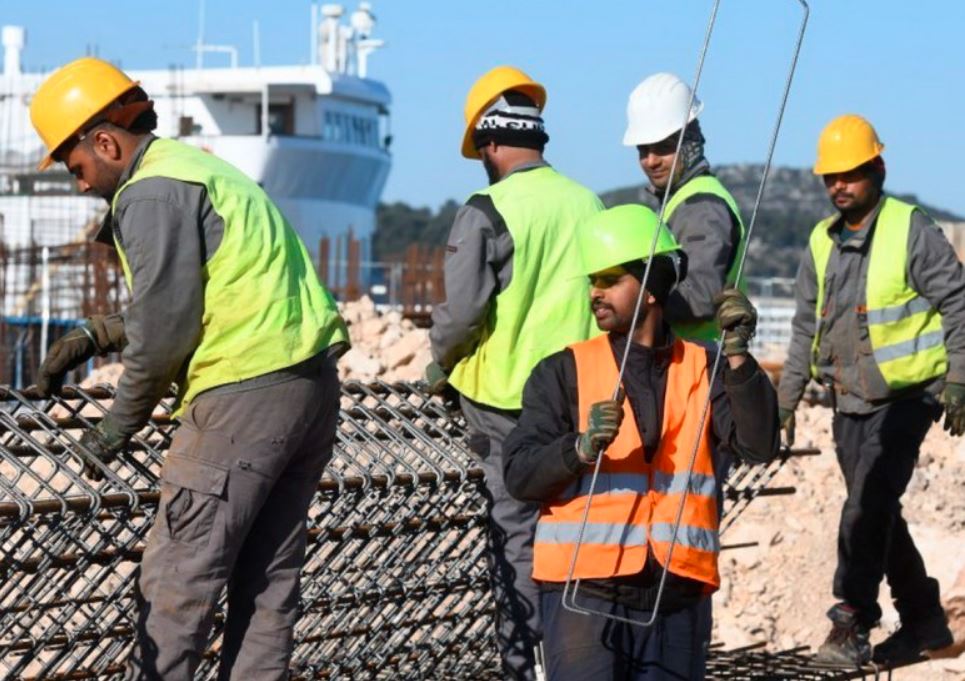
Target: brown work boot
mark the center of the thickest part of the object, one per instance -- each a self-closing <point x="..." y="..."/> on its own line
<point x="914" y="638"/>
<point x="847" y="645"/>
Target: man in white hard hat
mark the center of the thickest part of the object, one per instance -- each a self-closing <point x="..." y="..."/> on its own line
<point x="701" y="213"/>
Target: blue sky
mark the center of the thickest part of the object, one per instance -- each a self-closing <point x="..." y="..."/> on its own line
<point x="900" y="64"/>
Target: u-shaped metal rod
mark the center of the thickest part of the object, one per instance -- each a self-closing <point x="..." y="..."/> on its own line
<point x="572" y="586"/>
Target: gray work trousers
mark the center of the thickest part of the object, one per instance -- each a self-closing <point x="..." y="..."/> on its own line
<point x="512" y="528"/>
<point x="235" y="491"/>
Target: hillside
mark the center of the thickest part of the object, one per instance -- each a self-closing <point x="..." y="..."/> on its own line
<point x="795" y="200"/>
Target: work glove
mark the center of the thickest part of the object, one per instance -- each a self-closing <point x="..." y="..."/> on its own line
<point x="603" y="424"/>
<point x="436" y="379"/>
<point x="737" y="318"/>
<point x="101" y="443"/>
<point x="786" y="417"/>
<point x="98" y="335"/>
<point x="953" y="397"/>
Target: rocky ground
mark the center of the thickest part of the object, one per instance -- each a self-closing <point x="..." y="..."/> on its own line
<point x="780" y="590"/>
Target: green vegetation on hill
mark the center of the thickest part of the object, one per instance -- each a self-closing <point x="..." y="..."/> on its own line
<point x="793" y="202"/>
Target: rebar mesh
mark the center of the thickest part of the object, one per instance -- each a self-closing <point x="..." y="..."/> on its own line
<point x="395" y="581"/>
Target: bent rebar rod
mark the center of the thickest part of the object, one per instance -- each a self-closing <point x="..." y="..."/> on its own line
<point x="572" y="605"/>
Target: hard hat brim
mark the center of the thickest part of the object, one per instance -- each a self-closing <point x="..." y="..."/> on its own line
<point x="830" y="168"/>
<point x="534" y="91"/>
<point x="634" y="138"/>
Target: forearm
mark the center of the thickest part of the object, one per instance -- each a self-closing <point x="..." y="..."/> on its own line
<point x="470" y="283"/>
<point x="752" y="402"/>
<point x="540" y="472"/>
<point x="936" y="273"/>
<point x="162" y="325"/>
<point x="797" y="366"/>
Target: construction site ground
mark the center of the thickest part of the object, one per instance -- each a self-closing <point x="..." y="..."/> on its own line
<point x="777" y="591"/>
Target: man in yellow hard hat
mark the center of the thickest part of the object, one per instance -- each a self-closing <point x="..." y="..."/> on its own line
<point x="258" y="390"/>
<point x="513" y="296"/>
<point x="570" y="419"/>
<point x="880" y="322"/>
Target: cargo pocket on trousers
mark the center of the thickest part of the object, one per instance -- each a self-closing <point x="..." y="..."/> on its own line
<point x="191" y="492"/>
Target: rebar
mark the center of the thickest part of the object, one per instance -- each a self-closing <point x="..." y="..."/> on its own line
<point x="395" y="583"/>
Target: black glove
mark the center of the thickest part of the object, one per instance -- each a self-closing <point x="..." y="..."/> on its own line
<point x="436" y="379"/>
<point x="788" y="422"/>
<point x="98" y="336"/>
<point x="737" y="318"/>
<point x="603" y="424"/>
<point x="101" y="443"/>
<point x="953" y="397"/>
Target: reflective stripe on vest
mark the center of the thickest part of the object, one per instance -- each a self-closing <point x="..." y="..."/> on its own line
<point x="708" y="184"/>
<point x="546" y="305"/>
<point x="905" y="331"/>
<point x="264" y="307"/>
<point x="634" y="504"/>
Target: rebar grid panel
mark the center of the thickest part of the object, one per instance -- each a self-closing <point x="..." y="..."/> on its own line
<point x="395" y="581"/>
<point x="754" y="663"/>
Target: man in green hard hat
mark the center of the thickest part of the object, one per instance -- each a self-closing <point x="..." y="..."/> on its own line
<point x="570" y="418"/>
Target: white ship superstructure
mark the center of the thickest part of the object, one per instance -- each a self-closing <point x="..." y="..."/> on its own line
<point x="315" y="136"/>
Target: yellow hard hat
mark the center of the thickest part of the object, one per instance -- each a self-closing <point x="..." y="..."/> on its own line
<point x="846" y="143"/>
<point x="72" y="96"/>
<point x="485" y="91"/>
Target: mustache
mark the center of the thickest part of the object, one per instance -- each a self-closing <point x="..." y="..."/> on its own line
<point x="843" y="194"/>
<point x="597" y="304"/>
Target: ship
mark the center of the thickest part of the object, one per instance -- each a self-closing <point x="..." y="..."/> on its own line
<point x="316" y="136"/>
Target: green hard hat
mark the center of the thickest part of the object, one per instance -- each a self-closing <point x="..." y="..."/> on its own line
<point x="621" y="234"/>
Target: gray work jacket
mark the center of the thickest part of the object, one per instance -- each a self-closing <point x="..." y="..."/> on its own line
<point x="709" y="234"/>
<point x="478" y="266"/>
<point x="845" y="358"/>
<point x="169" y="230"/>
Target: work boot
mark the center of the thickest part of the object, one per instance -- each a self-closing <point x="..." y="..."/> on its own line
<point x="912" y="639"/>
<point x="847" y="645"/>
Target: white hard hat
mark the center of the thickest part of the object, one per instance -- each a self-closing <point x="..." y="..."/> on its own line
<point x="656" y="109"/>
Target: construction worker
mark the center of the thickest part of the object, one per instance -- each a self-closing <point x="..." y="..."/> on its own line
<point x="224" y="302"/>
<point x="512" y="298"/>
<point x="700" y="212"/>
<point x="569" y="417"/>
<point x="880" y="322"/>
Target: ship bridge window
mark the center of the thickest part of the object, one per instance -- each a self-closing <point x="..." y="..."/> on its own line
<point x="281" y="119"/>
<point x="350" y="129"/>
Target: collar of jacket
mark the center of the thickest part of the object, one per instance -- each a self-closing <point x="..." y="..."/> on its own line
<point x="105" y="235"/>
<point x="702" y="168"/>
<point x="658" y="356"/>
<point x="523" y="167"/>
<point x="856" y="241"/>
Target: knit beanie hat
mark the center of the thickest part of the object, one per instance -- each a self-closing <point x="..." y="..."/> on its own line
<point x="513" y="120"/>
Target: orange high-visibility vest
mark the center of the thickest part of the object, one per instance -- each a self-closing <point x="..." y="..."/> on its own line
<point x="634" y="503"/>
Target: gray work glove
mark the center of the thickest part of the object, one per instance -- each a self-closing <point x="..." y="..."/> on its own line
<point x="786" y="417"/>
<point x="101" y="444"/>
<point x="737" y="318"/>
<point x="436" y="379"/>
<point x="97" y="336"/>
<point x="602" y="426"/>
<point x="953" y="397"/>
